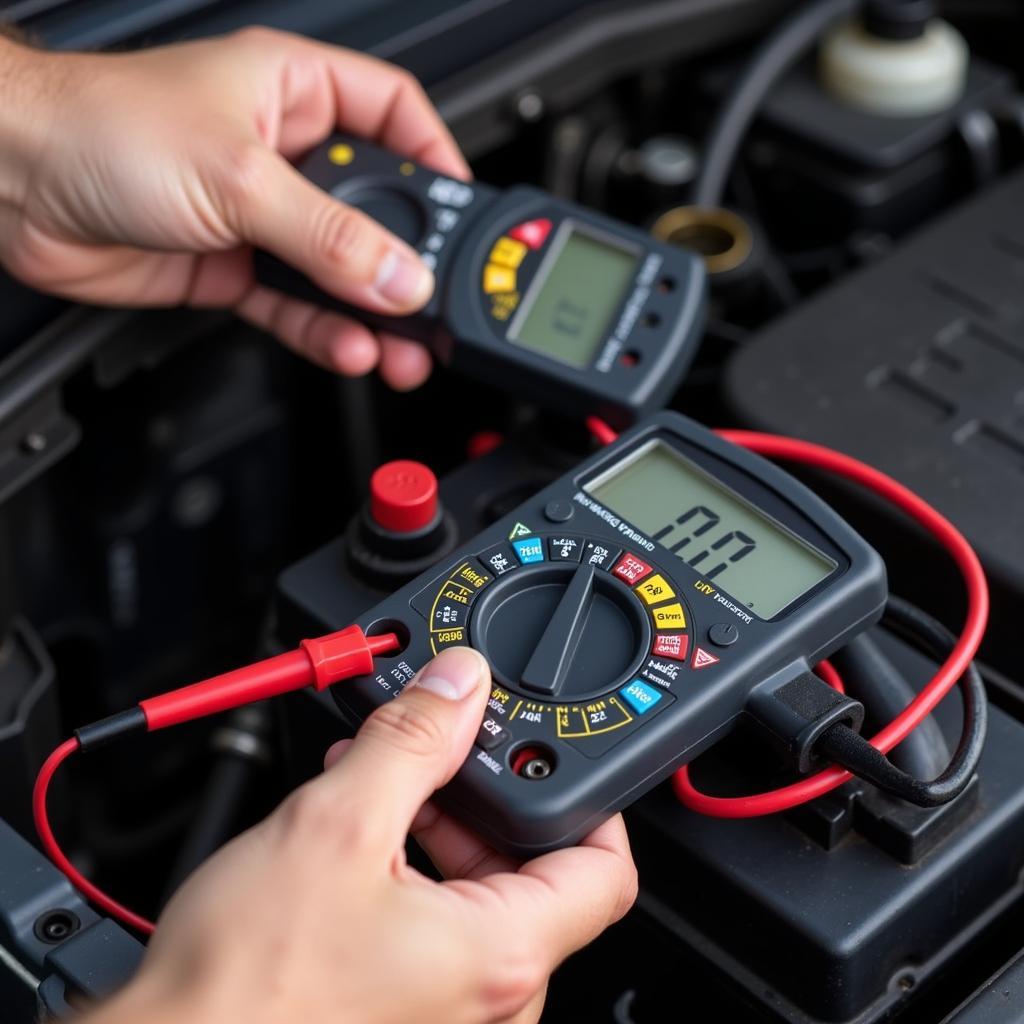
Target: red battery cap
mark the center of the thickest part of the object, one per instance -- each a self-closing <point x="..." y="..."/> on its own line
<point x="403" y="496"/>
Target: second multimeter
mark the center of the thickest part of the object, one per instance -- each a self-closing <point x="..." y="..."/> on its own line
<point x="631" y="613"/>
<point x="536" y="295"/>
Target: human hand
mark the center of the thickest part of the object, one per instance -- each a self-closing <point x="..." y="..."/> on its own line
<point x="143" y="179"/>
<point x="315" y="915"/>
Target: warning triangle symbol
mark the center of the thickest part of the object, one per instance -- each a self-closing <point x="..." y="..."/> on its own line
<point x="702" y="658"/>
<point x="520" y="530"/>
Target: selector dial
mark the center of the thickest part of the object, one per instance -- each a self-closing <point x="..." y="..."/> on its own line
<point x="561" y="631"/>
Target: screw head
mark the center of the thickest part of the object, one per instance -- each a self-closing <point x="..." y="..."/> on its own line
<point x="34" y="442"/>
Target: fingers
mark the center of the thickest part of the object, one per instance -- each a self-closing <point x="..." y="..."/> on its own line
<point x="380" y="101"/>
<point x="404" y="365"/>
<point x="558" y="903"/>
<point x="335" y="753"/>
<point x="411" y="746"/>
<point x="530" y="1013"/>
<point x="335" y="342"/>
<point x="271" y="205"/>
<point x="453" y="849"/>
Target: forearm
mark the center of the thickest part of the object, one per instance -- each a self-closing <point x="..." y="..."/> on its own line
<point x="30" y="86"/>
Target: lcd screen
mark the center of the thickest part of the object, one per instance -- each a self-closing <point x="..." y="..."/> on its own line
<point x="749" y="555"/>
<point x="578" y="288"/>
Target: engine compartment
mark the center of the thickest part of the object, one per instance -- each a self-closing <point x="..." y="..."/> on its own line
<point x="175" y="494"/>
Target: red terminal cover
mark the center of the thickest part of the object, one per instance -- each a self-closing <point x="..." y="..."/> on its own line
<point x="403" y="496"/>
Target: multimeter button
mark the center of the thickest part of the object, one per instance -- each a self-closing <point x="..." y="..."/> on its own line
<point x="341" y="153"/>
<point x="655" y="588"/>
<point x="631" y="569"/>
<point x="671" y="645"/>
<point x="492" y="734"/>
<point x="722" y="634"/>
<point x="403" y="496"/>
<point x="600" y="556"/>
<point x="640" y="696"/>
<point x="446" y="192"/>
<point x="529" y="549"/>
<point x="533" y="233"/>
<point x="670" y="616"/>
<point x="499" y="279"/>
<point x="508" y="252"/>
<point x="558" y="511"/>
<point x="500" y="559"/>
<point x="565" y="549"/>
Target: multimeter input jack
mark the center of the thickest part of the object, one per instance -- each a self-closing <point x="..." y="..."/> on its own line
<point x="397" y="628"/>
<point x="534" y="762"/>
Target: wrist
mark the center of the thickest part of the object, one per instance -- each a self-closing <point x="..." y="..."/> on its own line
<point x="30" y="84"/>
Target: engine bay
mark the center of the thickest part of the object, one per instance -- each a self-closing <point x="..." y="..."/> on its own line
<point x="180" y="496"/>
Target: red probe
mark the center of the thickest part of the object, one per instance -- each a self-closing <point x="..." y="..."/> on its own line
<point x="318" y="663"/>
<point x="809" y="454"/>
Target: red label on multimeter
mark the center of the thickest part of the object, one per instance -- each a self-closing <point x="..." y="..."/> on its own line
<point x="631" y="569"/>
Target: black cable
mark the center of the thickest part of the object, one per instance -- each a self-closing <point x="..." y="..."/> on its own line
<point x="872" y="678"/>
<point x="772" y="60"/>
<point x="241" y="745"/>
<point x="854" y="753"/>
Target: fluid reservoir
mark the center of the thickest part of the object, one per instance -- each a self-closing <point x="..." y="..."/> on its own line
<point x="896" y="60"/>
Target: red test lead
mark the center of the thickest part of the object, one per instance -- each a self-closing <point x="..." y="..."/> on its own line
<point x="318" y="663"/>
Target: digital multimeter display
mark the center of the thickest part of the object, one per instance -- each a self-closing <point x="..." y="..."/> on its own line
<point x="578" y="288"/>
<point x="751" y="557"/>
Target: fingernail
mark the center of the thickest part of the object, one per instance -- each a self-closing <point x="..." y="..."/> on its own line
<point x="404" y="279"/>
<point x="453" y="674"/>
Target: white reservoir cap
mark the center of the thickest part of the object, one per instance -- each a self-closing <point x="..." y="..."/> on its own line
<point x="895" y="77"/>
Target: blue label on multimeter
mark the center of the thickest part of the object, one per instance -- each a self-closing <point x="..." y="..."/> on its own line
<point x="640" y="696"/>
<point x="529" y="549"/>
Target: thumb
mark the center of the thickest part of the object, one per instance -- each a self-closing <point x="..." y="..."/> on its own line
<point x="348" y="254"/>
<point x="413" y="745"/>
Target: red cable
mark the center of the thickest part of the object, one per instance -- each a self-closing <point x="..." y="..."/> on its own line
<point x="830" y="674"/>
<point x="56" y="854"/>
<point x="791" y="449"/>
<point x="600" y="429"/>
<point x="319" y="663"/>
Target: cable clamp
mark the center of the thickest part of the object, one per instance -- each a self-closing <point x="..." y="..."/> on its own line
<point x="796" y="712"/>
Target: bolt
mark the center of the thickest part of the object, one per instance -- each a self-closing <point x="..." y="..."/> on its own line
<point x="529" y="106"/>
<point x="34" y="442"/>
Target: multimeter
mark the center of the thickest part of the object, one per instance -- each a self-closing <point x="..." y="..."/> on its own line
<point x="534" y="294"/>
<point x="631" y="611"/>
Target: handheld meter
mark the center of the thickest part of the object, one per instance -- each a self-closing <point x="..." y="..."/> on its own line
<point x="534" y="294"/>
<point x="630" y="612"/>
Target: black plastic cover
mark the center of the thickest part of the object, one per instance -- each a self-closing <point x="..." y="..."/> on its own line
<point x="916" y="366"/>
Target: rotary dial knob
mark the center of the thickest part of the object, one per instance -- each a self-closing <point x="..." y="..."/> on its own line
<point x="561" y="631"/>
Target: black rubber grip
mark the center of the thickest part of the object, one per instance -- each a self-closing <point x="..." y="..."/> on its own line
<point x="106" y="729"/>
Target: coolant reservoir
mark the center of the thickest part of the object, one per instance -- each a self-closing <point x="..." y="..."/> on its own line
<point x="898" y="60"/>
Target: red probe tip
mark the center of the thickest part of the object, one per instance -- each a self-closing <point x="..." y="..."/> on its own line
<point x="383" y="644"/>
